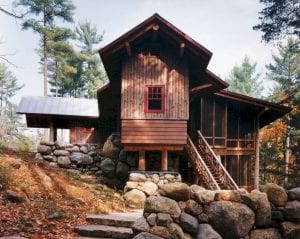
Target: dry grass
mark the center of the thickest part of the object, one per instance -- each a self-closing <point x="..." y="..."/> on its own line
<point x="49" y="192"/>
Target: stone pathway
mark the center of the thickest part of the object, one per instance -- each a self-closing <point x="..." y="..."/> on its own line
<point x="114" y="225"/>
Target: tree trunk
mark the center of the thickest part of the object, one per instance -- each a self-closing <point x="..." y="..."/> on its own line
<point x="256" y="164"/>
<point x="287" y="155"/>
<point x="45" y="55"/>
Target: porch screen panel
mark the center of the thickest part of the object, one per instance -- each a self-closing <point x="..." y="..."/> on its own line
<point x="219" y="123"/>
<point x="232" y="128"/>
<point x="246" y="131"/>
<point x="207" y="120"/>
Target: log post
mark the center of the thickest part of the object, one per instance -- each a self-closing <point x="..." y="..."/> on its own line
<point x="164" y="160"/>
<point x="52" y="133"/>
<point x="142" y="161"/>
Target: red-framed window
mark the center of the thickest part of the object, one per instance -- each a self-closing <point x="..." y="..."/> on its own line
<point x="154" y="98"/>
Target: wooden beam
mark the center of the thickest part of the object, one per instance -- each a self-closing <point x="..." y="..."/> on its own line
<point x="153" y="147"/>
<point x="128" y="48"/>
<point x="199" y="88"/>
<point x="181" y="49"/>
<point x="155" y="32"/>
<point x="164" y="160"/>
<point x="142" y="160"/>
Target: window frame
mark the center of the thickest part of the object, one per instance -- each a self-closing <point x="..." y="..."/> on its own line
<point x="146" y="98"/>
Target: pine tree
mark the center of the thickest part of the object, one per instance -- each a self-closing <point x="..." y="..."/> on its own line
<point x="285" y="72"/>
<point x="43" y="15"/>
<point x="93" y="71"/>
<point x="243" y="79"/>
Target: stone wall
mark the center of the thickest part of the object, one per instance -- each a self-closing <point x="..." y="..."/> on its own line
<point x="143" y="184"/>
<point x="182" y="211"/>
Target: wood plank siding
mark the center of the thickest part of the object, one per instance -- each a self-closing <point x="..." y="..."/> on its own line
<point x="154" y="132"/>
<point x="159" y="68"/>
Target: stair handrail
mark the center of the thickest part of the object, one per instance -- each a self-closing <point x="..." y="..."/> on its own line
<point x="211" y="177"/>
<point x="215" y="158"/>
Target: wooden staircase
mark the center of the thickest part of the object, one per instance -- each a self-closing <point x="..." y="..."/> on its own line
<point x="211" y="172"/>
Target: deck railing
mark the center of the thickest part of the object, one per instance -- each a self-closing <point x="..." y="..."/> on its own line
<point x="211" y="158"/>
<point x="200" y="167"/>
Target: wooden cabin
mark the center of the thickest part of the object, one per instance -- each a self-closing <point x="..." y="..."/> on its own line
<point x="175" y="113"/>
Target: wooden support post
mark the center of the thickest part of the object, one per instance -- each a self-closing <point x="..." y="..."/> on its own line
<point x="256" y="163"/>
<point x="142" y="160"/>
<point x="164" y="160"/>
<point x="52" y="133"/>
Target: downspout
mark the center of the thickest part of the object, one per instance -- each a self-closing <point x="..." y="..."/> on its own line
<point x="256" y="166"/>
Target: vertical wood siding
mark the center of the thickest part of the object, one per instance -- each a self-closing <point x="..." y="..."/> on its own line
<point x="146" y="68"/>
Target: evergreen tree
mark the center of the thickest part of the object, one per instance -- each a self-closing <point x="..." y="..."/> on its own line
<point x="279" y="18"/>
<point x="285" y="72"/>
<point x="93" y="72"/>
<point x="243" y="79"/>
<point x="42" y="21"/>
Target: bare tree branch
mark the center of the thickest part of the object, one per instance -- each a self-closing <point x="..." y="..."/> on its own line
<point x="8" y="61"/>
<point x="12" y="14"/>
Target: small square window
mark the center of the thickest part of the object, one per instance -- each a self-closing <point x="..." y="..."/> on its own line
<point x="154" y="99"/>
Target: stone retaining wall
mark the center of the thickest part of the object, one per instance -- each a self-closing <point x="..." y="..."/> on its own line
<point x="182" y="211"/>
<point x="143" y="184"/>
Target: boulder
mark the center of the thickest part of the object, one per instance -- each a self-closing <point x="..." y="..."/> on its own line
<point x="160" y="231"/>
<point x="276" y="194"/>
<point x="112" y="182"/>
<point x="268" y="233"/>
<point x="38" y="156"/>
<point x="230" y="219"/>
<point x="137" y="177"/>
<point x="108" y="168"/>
<point x="60" y="152"/>
<point x="50" y="158"/>
<point x="151" y="219"/>
<point x="204" y="196"/>
<point x="294" y="194"/>
<point x="196" y="188"/>
<point x="277" y="215"/>
<point x="44" y="149"/>
<point x="122" y="156"/>
<point x="110" y="150"/>
<point x="205" y="231"/>
<point x="140" y="225"/>
<point x="60" y="144"/>
<point x="84" y="149"/>
<point x="46" y="142"/>
<point x="131" y="185"/>
<point x="135" y="196"/>
<point x="12" y="237"/>
<point x="149" y="188"/>
<point x="155" y="178"/>
<point x="203" y="218"/>
<point x="63" y="162"/>
<point x="177" y="191"/>
<point x="188" y="223"/>
<point x="177" y="232"/>
<point x="132" y="160"/>
<point x="163" y="205"/>
<point x="75" y="148"/>
<point x="228" y="195"/>
<point x="15" y="197"/>
<point x="81" y="158"/>
<point x="292" y="211"/>
<point x="146" y="235"/>
<point x="122" y="170"/>
<point x="290" y="230"/>
<point x="163" y="219"/>
<point x="193" y="208"/>
<point x="250" y="199"/>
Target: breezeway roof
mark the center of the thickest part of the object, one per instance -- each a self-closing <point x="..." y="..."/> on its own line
<point x="58" y="106"/>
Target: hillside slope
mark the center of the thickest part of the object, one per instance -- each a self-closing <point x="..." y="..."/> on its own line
<point x="55" y="200"/>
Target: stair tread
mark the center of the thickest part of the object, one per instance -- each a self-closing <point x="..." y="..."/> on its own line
<point x="104" y="231"/>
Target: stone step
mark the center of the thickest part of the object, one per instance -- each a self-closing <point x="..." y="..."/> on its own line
<point x="92" y="238"/>
<point x="104" y="231"/>
<point x="115" y="219"/>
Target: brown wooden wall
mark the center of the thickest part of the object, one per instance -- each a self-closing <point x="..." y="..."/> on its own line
<point x="156" y="132"/>
<point x="83" y="134"/>
<point x="146" y="68"/>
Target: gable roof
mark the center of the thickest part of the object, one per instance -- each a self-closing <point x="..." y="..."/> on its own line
<point x="42" y="105"/>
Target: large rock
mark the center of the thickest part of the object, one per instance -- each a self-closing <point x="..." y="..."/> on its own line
<point x="60" y="152"/>
<point x="112" y="182"/>
<point x="15" y="197"/>
<point x="276" y="194"/>
<point x="49" y="158"/>
<point x="294" y="194"/>
<point x="132" y="159"/>
<point x="63" y="162"/>
<point x="163" y="219"/>
<point x="177" y="191"/>
<point x="131" y="185"/>
<point x="292" y="211"/>
<point x="230" y="219"/>
<point x="204" y="196"/>
<point x="135" y="196"/>
<point x="228" y="195"/>
<point x="137" y="177"/>
<point x="193" y="208"/>
<point x="44" y="149"/>
<point x="81" y="158"/>
<point x="290" y="230"/>
<point x="188" y="223"/>
<point x="60" y="144"/>
<point x="177" y="232"/>
<point x="146" y="235"/>
<point x="151" y="219"/>
<point x="205" y="231"/>
<point x="149" y="188"/>
<point x="163" y="205"/>
<point x="122" y="170"/>
<point x="268" y="233"/>
<point x="140" y="225"/>
<point x="160" y="231"/>
<point x="110" y="150"/>
<point x="196" y="188"/>
<point x="108" y="168"/>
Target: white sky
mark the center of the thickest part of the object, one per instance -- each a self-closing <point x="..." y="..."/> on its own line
<point x="223" y="27"/>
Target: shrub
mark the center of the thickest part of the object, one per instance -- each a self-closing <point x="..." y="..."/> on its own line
<point x="25" y="144"/>
<point x="4" y="177"/>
